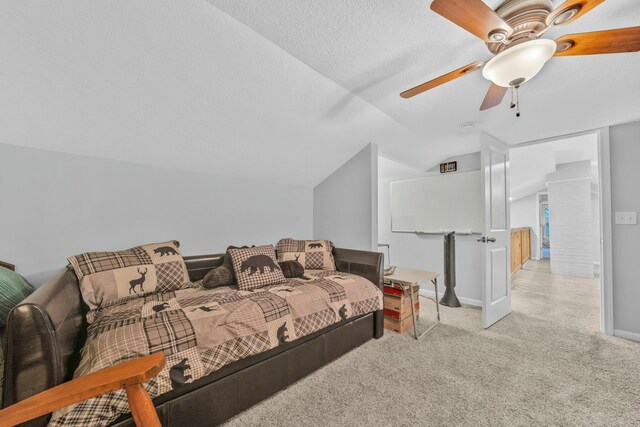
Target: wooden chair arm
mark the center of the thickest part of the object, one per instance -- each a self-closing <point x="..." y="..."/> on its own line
<point x="128" y="375"/>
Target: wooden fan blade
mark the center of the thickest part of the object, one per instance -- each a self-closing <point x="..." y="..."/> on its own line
<point x="598" y="42"/>
<point x="474" y="16"/>
<point x="579" y="6"/>
<point x="494" y="97"/>
<point x="442" y="79"/>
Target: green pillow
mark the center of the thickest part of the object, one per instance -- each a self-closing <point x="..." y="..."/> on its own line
<point x="13" y="289"/>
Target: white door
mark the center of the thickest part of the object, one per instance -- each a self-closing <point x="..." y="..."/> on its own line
<point x="496" y="241"/>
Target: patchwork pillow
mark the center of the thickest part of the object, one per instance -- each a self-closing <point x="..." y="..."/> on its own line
<point x="255" y="267"/>
<point x="106" y="277"/>
<point x="312" y="254"/>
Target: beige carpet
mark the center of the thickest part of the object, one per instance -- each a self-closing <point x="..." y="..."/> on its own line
<point x="544" y="364"/>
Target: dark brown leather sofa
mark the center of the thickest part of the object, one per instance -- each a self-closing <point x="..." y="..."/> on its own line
<point x="46" y="331"/>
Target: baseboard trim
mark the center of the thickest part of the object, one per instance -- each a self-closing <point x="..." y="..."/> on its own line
<point x="626" y="335"/>
<point x="468" y="301"/>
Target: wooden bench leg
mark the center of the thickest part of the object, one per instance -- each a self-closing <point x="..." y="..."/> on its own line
<point x="142" y="409"/>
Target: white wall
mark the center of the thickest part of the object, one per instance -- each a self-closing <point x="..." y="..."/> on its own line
<point x="570" y="220"/>
<point x="427" y="251"/>
<point x="524" y="213"/>
<point x="624" y="143"/>
<point x="345" y="203"/>
<point x="55" y="205"/>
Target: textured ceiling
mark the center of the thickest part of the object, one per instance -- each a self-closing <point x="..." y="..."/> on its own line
<point x="378" y="48"/>
<point x="283" y="91"/>
<point x="177" y="84"/>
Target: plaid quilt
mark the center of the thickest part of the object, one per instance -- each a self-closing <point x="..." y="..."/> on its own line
<point x="201" y="330"/>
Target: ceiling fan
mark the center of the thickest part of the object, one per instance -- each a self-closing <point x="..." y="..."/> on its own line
<point x="512" y="33"/>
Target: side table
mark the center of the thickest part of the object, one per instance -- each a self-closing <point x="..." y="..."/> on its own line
<point x="407" y="279"/>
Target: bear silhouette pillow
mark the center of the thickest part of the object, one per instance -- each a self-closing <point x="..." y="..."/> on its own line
<point x="255" y="267"/>
<point x="107" y="277"/>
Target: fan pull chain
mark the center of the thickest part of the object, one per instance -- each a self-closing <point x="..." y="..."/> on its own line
<point x="516" y="104"/>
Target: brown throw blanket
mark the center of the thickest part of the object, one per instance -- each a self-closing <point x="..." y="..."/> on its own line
<point x="201" y="330"/>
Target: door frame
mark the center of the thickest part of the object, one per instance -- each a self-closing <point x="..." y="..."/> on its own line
<point x="606" y="251"/>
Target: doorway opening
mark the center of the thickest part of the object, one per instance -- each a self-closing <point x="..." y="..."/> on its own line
<point x="555" y="197"/>
<point x="545" y="238"/>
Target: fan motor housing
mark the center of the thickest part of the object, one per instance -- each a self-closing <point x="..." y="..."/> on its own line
<point x="528" y="18"/>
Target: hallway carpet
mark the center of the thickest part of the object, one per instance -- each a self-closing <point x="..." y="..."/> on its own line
<point x="545" y="364"/>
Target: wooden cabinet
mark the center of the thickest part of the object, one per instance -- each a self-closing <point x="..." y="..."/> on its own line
<point x="516" y="257"/>
<point x="525" y="245"/>
<point x="520" y="247"/>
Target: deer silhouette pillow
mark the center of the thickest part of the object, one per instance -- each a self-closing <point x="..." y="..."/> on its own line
<point x="109" y="277"/>
<point x="255" y="267"/>
<point x="312" y="254"/>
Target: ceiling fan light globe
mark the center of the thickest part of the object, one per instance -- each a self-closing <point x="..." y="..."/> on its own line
<point x="519" y="63"/>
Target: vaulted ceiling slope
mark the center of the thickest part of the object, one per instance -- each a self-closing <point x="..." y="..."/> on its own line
<point x="281" y="91"/>
<point x="378" y="48"/>
<point x="178" y="84"/>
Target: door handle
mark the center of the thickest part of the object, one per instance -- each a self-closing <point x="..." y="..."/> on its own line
<point x="484" y="239"/>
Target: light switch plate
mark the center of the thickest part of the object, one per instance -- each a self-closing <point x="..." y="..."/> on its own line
<point x="627" y="218"/>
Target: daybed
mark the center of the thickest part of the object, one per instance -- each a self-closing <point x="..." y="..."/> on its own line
<point x="46" y="332"/>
